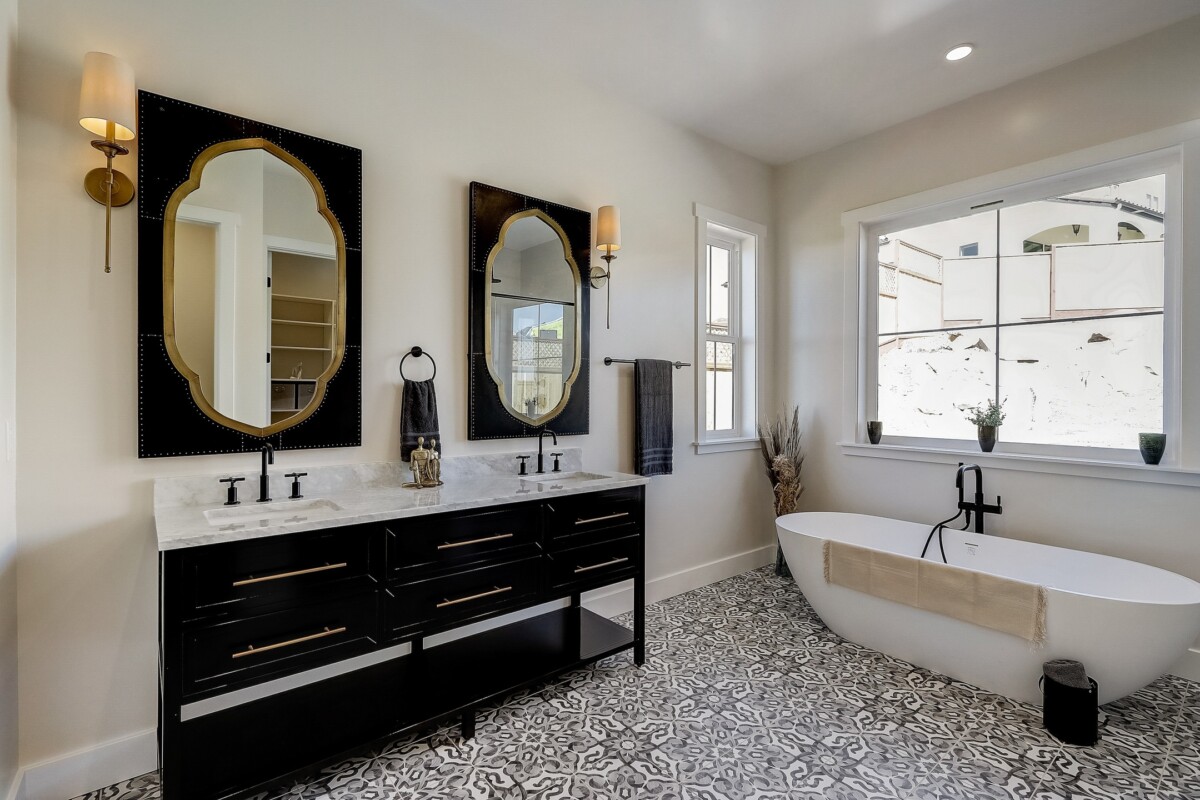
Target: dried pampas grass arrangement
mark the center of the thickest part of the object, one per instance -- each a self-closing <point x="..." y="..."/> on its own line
<point x="780" y="444"/>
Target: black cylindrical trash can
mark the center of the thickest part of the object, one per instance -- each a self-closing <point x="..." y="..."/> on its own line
<point x="1070" y="713"/>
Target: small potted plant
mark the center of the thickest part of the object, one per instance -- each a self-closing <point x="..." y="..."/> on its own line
<point x="987" y="421"/>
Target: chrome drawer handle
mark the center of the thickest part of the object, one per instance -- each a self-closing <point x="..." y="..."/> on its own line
<point x="497" y="537"/>
<point x="618" y="515"/>
<point x="604" y="564"/>
<point x="489" y="593"/>
<point x="282" y="575"/>
<point x="251" y="650"/>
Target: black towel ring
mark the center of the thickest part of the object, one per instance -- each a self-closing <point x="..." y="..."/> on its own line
<point x="417" y="352"/>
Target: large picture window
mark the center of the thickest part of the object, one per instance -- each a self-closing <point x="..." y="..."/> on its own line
<point x="1054" y="307"/>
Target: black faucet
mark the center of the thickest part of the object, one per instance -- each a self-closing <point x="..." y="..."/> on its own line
<point x="264" y="480"/>
<point x="540" y="469"/>
<point x="979" y="508"/>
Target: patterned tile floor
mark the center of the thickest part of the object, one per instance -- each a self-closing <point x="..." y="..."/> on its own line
<point x="745" y="694"/>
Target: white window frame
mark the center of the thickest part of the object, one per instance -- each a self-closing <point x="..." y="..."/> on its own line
<point x="1174" y="151"/>
<point x="749" y="240"/>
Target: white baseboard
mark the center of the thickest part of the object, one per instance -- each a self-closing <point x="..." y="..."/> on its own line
<point x="86" y="770"/>
<point x="611" y="602"/>
<point x="1188" y="666"/>
<point x="14" y="791"/>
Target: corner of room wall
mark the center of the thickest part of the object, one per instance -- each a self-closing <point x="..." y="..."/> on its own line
<point x="8" y="329"/>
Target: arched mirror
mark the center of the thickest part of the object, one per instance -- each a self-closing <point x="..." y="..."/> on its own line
<point x="249" y="282"/>
<point x="533" y="292"/>
<point x="529" y="315"/>
<point x="256" y="285"/>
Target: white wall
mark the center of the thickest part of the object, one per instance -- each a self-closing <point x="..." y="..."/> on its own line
<point x="1141" y="86"/>
<point x="8" y="398"/>
<point x="431" y="111"/>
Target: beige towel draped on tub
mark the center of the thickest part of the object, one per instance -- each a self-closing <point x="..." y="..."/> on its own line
<point x="1002" y="604"/>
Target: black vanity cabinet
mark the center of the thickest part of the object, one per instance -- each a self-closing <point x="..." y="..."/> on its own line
<point x="292" y="609"/>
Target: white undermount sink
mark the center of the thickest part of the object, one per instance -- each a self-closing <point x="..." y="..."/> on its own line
<point x="565" y="478"/>
<point x="276" y="511"/>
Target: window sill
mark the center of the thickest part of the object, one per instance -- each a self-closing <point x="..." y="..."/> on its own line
<point x="1024" y="462"/>
<point x="725" y="445"/>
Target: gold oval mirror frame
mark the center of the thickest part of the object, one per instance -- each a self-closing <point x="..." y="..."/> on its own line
<point x="168" y="299"/>
<point x="489" y="344"/>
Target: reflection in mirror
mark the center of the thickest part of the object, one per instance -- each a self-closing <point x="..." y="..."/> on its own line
<point x="255" y="273"/>
<point x="532" y="300"/>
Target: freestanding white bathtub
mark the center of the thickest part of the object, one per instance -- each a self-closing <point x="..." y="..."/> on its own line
<point x="1127" y="622"/>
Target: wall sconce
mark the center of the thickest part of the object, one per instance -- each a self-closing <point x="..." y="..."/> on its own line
<point x="608" y="239"/>
<point x="108" y="108"/>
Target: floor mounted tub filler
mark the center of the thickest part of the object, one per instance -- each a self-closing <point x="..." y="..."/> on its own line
<point x="1128" y="623"/>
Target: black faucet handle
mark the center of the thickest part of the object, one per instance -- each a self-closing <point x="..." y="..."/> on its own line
<point x="557" y="456"/>
<point x="523" y="459"/>
<point x="231" y="497"/>
<point x="295" y="476"/>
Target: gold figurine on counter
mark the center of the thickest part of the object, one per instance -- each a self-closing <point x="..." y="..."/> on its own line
<point x="426" y="466"/>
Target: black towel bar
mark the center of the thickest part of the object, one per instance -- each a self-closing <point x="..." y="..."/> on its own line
<point x="417" y="352"/>
<point x="608" y="362"/>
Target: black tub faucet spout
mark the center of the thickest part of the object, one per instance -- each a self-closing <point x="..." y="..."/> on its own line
<point x="977" y="507"/>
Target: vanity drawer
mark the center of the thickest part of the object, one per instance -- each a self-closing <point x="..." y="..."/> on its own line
<point x="424" y="605"/>
<point x="595" y="564"/>
<point x="582" y="519"/>
<point x="268" y="645"/>
<point x="277" y="569"/>
<point x="434" y="542"/>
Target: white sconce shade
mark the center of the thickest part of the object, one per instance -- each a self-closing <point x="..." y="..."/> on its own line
<point x="608" y="229"/>
<point x="108" y="95"/>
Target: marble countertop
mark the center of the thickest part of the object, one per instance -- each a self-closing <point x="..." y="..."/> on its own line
<point x="190" y="511"/>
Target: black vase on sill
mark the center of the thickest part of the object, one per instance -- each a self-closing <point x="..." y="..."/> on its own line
<point x="1152" y="446"/>
<point x="987" y="437"/>
<point x="874" y="431"/>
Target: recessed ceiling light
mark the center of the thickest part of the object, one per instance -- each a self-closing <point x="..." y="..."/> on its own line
<point x="959" y="52"/>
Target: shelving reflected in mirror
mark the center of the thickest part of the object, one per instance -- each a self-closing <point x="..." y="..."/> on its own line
<point x="256" y="283"/>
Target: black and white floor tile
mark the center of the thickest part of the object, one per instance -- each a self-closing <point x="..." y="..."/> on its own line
<point x="745" y="694"/>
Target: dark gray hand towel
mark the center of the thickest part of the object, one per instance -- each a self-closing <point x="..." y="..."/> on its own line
<point x="654" y="437"/>
<point x="1066" y="672"/>
<point x="418" y="416"/>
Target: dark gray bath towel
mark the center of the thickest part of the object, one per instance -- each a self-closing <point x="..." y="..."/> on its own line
<point x="1066" y="672"/>
<point x="418" y="416"/>
<point x="653" y="443"/>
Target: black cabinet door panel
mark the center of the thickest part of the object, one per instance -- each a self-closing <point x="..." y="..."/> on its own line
<point x="580" y="519"/>
<point x="595" y="564"/>
<point x="249" y="649"/>
<point x="436" y="603"/>
<point x="454" y="540"/>
<point x="277" y="569"/>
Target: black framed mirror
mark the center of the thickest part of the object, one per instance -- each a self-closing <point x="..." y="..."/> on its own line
<point x="249" y="285"/>
<point x="529" y="315"/>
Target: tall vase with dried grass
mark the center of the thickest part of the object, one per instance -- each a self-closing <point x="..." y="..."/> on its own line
<point x="780" y="444"/>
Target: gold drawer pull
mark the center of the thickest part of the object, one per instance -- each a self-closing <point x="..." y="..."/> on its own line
<point x="618" y="515"/>
<point x="489" y="593"/>
<point x="604" y="564"/>
<point x="251" y="650"/>
<point x="497" y="537"/>
<point x="282" y="575"/>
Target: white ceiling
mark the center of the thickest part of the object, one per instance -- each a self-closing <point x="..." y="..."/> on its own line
<point x="780" y="79"/>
